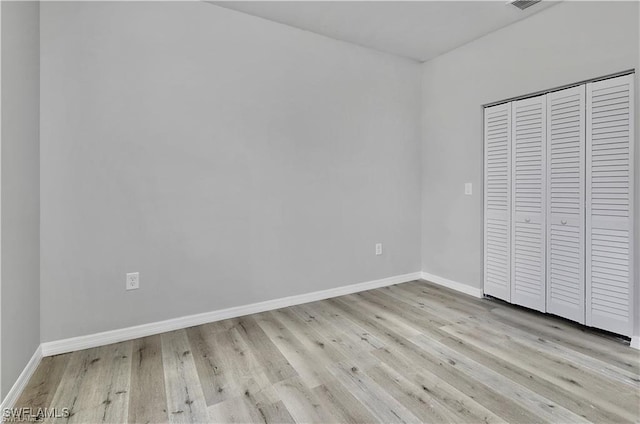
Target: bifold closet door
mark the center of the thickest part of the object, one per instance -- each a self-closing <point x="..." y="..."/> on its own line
<point x="528" y="196"/>
<point x="565" y="203"/>
<point x="497" y="201"/>
<point x="609" y="241"/>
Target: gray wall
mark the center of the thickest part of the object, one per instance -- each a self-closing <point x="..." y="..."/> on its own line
<point x="636" y="332"/>
<point x="566" y="43"/>
<point x="226" y="158"/>
<point x="20" y="189"/>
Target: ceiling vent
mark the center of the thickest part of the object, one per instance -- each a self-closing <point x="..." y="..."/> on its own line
<point x="523" y="4"/>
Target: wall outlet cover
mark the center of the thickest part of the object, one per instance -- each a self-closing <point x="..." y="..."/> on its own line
<point x="133" y="281"/>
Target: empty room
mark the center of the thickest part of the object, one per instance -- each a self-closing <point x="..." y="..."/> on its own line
<point x="320" y="211"/>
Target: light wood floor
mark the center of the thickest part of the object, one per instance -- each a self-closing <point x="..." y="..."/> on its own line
<point x="413" y="352"/>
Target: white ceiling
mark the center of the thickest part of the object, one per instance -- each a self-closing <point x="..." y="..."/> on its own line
<point x="420" y="30"/>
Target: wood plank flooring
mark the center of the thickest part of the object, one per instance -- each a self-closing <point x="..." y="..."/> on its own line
<point x="413" y="352"/>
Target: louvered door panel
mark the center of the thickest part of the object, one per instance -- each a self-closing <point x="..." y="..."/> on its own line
<point x="528" y="196"/>
<point x="497" y="202"/>
<point x="609" y="242"/>
<point x="565" y="203"/>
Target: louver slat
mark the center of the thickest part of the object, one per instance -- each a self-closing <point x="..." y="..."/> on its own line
<point x="497" y="202"/>
<point x="609" y="239"/>
<point x="565" y="208"/>
<point x="528" y="194"/>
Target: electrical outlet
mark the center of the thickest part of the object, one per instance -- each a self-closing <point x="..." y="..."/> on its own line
<point x="378" y="249"/>
<point x="467" y="189"/>
<point x="133" y="281"/>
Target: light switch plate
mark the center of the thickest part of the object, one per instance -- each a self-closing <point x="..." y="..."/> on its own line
<point x="468" y="189"/>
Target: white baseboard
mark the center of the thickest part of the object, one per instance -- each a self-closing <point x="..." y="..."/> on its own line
<point x="454" y="285"/>
<point x="635" y="342"/>
<point x="14" y="393"/>
<point x="114" y="336"/>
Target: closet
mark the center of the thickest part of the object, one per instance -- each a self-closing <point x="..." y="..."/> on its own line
<point x="558" y="203"/>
